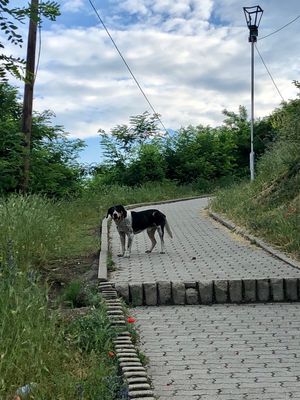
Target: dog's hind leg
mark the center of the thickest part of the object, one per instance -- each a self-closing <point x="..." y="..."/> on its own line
<point x="160" y="230"/>
<point x="151" y="233"/>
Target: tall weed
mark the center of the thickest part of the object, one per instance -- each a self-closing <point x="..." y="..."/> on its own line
<point x="32" y="228"/>
<point x="37" y="349"/>
<point x="31" y="347"/>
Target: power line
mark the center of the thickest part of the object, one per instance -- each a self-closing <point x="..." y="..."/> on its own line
<point x="126" y="64"/>
<point x="280" y="29"/>
<point x="269" y="73"/>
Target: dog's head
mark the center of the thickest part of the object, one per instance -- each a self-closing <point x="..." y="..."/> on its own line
<point x="117" y="213"/>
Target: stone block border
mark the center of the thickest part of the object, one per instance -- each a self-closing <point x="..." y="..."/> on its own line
<point x="210" y="292"/>
<point x="133" y="372"/>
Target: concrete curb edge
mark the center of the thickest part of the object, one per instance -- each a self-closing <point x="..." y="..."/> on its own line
<point x="137" y="205"/>
<point x="102" y="268"/>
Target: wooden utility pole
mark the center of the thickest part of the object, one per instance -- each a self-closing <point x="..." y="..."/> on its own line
<point x="28" y="93"/>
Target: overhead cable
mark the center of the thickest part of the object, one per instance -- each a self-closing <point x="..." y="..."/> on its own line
<point x="126" y="64"/>
<point x="280" y="29"/>
<point x="269" y="73"/>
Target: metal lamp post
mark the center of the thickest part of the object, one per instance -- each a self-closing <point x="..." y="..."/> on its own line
<point x="253" y="16"/>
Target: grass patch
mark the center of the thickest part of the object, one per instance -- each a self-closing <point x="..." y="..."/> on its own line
<point x="270" y="206"/>
<point x="74" y="294"/>
<point x="32" y="228"/>
<point x="38" y="348"/>
<point x="77" y="295"/>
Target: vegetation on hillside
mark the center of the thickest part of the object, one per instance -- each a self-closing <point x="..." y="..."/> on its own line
<point x="270" y="206"/>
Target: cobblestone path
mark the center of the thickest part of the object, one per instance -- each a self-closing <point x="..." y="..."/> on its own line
<point x="217" y="352"/>
<point x="200" y="249"/>
<point x="223" y="352"/>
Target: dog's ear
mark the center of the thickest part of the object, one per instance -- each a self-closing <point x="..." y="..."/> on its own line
<point x="123" y="210"/>
<point x="109" y="211"/>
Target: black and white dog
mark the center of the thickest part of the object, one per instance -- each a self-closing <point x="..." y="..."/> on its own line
<point x="129" y="223"/>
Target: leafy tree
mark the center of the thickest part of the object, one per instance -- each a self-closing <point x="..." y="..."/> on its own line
<point x="9" y="19"/>
<point x="11" y="139"/>
<point x="200" y="152"/>
<point x="55" y="170"/>
<point x="121" y="143"/>
<point x="54" y="167"/>
<point x="237" y="126"/>
<point x="150" y="165"/>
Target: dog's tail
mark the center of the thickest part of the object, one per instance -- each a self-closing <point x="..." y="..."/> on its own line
<point x="168" y="229"/>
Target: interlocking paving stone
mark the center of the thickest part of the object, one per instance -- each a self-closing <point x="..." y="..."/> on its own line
<point x="201" y="249"/>
<point x="223" y="351"/>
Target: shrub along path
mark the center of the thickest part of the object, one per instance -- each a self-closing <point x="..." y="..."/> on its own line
<point x="222" y="351"/>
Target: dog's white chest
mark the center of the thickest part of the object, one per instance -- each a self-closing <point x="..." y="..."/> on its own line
<point x="126" y="224"/>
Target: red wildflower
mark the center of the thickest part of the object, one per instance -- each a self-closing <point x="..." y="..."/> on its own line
<point x="111" y="354"/>
<point x="131" y="320"/>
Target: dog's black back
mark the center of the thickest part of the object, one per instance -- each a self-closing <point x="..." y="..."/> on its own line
<point x="145" y="219"/>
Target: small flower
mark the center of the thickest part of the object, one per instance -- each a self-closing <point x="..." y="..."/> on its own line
<point x="111" y="354"/>
<point x="131" y="320"/>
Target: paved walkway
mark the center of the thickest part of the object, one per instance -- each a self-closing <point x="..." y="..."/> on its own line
<point x="222" y="352"/>
<point x="201" y="249"/>
<point x="219" y="352"/>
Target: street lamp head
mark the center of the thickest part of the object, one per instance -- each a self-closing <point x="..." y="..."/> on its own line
<point x="253" y="16"/>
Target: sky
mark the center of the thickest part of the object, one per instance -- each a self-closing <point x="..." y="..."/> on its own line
<point x="191" y="58"/>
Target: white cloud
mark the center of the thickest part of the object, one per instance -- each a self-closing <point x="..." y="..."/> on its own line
<point x="192" y="59"/>
<point x="135" y="7"/>
<point x="72" y="5"/>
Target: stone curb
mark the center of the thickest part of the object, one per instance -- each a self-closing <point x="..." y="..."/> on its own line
<point x="130" y="206"/>
<point x="254" y="240"/>
<point x="210" y="292"/>
<point x="133" y="372"/>
<point x="102" y="268"/>
<point x="104" y="234"/>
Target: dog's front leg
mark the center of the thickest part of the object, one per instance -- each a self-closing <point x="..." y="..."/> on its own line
<point x="161" y="236"/>
<point x="130" y="236"/>
<point x="122" y="238"/>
